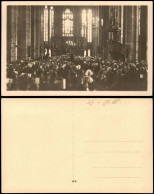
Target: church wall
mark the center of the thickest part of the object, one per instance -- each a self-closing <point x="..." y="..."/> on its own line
<point x="35" y="32"/>
<point x="32" y="32"/>
<point x="143" y="33"/>
<point x="130" y="31"/>
<point x="9" y="26"/>
<point x="13" y="36"/>
<point x="22" y="33"/>
<point x="42" y="31"/>
<point x="25" y="34"/>
<point x="28" y="32"/>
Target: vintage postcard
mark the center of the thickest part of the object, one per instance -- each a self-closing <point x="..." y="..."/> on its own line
<point x="77" y="145"/>
<point x="77" y="48"/>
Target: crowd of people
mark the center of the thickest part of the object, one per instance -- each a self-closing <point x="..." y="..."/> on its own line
<point x="77" y="74"/>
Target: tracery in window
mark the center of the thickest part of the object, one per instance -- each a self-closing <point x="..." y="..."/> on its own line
<point x="86" y="29"/>
<point x="51" y="22"/>
<point x="84" y="24"/>
<point x="89" y="25"/>
<point x="67" y="23"/>
<point x="46" y="23"/>
<point x="139" y="18"/>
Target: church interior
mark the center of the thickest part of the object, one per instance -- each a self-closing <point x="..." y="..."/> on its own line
<point x="75" y="48"/>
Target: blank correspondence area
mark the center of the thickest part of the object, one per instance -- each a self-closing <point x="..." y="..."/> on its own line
<point x="77" y="145"/>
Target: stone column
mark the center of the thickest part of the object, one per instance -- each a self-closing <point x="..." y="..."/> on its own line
<point x="98" y="28"/>
<point x="143" y="33"/>
<point x="121" y="23"/>
<point x="28" y="31"/>
<point x="38" y="30"/>
<point x="130" y="31"/>
<point x="106" y="22"/>
<point x="42" y="30"/>
<point x="9" y="33"/>
<point x="13" y="30"/>
<point x="95" y="29"/>
<point x="32" y="32"/>
<point x="22" y="30"/>
<point x="35" y="32"/>
<point x="48" y="29"/>
<point x="137" y="33"/>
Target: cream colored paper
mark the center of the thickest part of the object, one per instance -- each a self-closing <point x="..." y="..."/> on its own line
<point x="77" y="145"/>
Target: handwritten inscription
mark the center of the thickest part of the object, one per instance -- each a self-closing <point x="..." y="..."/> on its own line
<point x="104" y="103"/>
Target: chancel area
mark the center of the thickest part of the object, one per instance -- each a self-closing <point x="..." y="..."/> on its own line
<point x="77" y="48"/>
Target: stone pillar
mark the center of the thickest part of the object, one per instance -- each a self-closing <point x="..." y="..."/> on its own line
<point x="22" y="32"/>
<point x="32" y="32"/>
<point x="130" y="31"/>
<point x="107" y="18"/>
<point x="9" y="26"/>
<point x="35" y="31"/>
<point x="42" y="30"/>
<point x="137" y="33"/>
<point x="121" y="23"/>
<point x="143" y="33"/>
<point x="125" y="26"/>
<point x="78" y="27"/>
<point x="28" y="32"/>
<point x="58" y="20"/>
<point x="75" y="22"/>
<point x="38" y="30"/>
<point x="48" y="29"/>
<point x="95" y="29"/>
<point x="13" y="30"/>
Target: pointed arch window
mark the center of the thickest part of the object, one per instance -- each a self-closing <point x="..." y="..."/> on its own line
<point x="67" y="23"/>
<point x="89" y="25"/>
<point x="139" y="19"/>
<point x="46" y="18"/>
<point x="48" y="23"/>
<point x="84" y="24"/>
<point x="86" y="30"/>
<point x="51" y="21"/>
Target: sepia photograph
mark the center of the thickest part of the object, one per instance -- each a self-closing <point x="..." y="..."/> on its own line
<point x="77" y="47"/>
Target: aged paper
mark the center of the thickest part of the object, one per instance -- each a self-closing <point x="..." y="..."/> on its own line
<point x="77" y="145"/>
<point x="6" y="92"/>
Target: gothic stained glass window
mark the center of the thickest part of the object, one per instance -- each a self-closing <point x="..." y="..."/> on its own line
<point x="84" y="24"/>
<point x="51" y="22"/>
<point x="89" y="25"/>
<point x="46" y="23"/>
<point x="86" y="30"/>
<point x="139" y="18"/>
<point x="67" y="23"/>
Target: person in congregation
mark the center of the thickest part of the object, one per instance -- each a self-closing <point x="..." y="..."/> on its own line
<point x="77" y="73"/>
